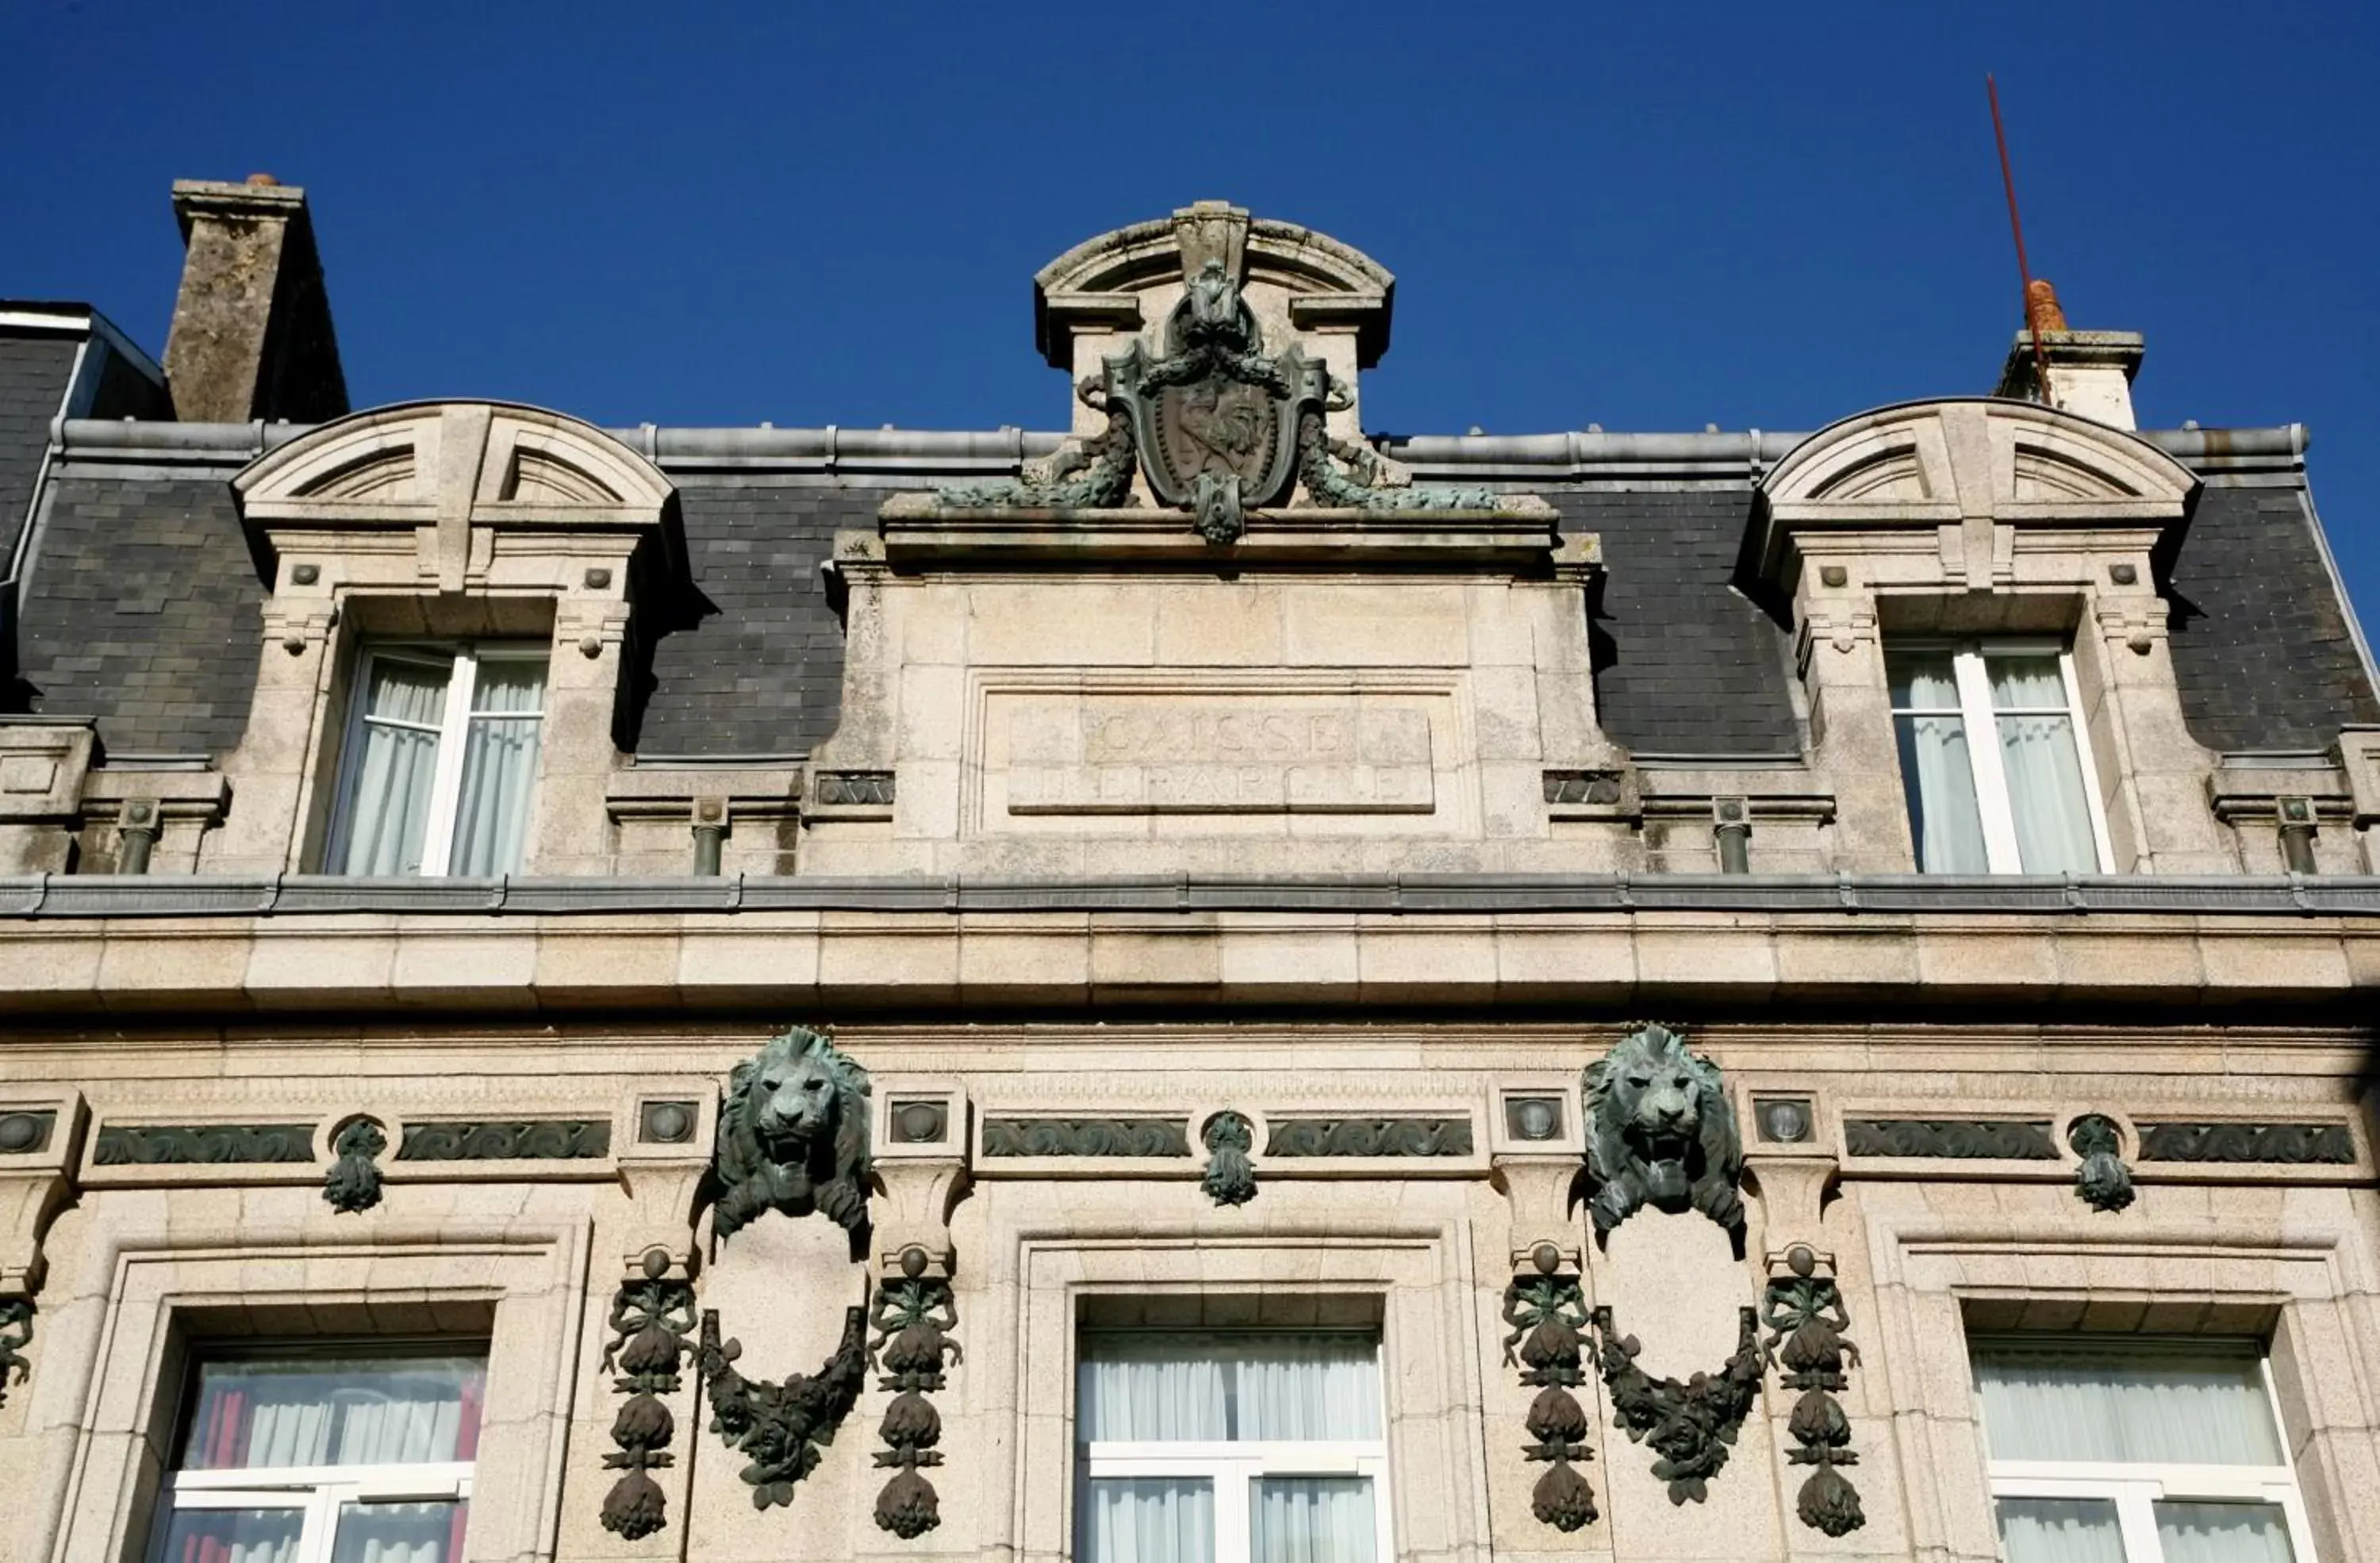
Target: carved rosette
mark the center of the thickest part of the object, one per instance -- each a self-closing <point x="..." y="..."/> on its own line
<point x="1804" y="1314"/>
<point x="914" y="1316"/>
<point x="651" y="1319"/>
<point x="1230" y="1177"/>
<point x="1547" y="1312"/>
<point x="1691" y="1426"/>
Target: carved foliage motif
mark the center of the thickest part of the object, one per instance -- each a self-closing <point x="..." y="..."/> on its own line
<point x="16" y="1334"/>
<point x="1804" y="1314"/>
<point x="1369" y="1136"/>
<point x="160" y="1145"/>
<point x="1661" y="1131"/>
<point x="1345" y="474"/>
<point x="1084" y="1136"/>
<point x="793" y="1135"/>
<point x="353" y="1182"/>
<point x="1230" y="1177"/>
<point x="2285" y="1143"/>
<point x="914" y="1316"/>
<point x="1691" y="1425"/>
<point x="2103" y="1181"/>
<point x="651" y="1319"/>
<point x="1082" y="475"/>
<point x="1547" y="1313"/>
<point x="1962" y="1140"/>
<point x="779" y="1427"/>
<point x="550" y="1139"/>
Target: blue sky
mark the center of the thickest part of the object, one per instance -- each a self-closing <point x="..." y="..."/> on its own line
<point x="1649" y="217"/>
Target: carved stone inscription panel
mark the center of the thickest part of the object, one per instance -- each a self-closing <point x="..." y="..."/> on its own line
<point x="1333" y="753"/>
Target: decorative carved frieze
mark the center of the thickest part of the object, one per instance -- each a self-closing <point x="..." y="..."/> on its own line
<point x="793" y="1135"/>
<point x="353" y="1182"/>
<point x="1084" y="1136"/>
<point x="1804" y="1314"/>
<point x="1661" y="1131"/>
<point x="1230" y="1177"/>
<point x="1955" y="1139"/>
<point x="1369" y="1136"/>
<point x="536" y="1139"/>
<point x="2103" y="1181"/>
<point x="16" y="1334"/>
<point x="779" y="1427"/>
<point x="1547" y="1312"/>
<point x="840" y="788"/>
<point x="2294" y="1145"/>
<point x="1691" y="1425"/>
<point x="650" y="1318"/>
<point x="164" y="1145"/>
<point x="914" y="1316"/>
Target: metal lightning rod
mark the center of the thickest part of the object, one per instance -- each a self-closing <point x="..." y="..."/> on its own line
<point x="2016" y="226"/>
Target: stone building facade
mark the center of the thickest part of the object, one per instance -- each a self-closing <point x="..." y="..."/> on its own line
<point x="1199" y="985"/>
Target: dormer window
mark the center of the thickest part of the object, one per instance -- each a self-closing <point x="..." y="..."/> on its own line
<point x="439" y="763"/>
<point x="1995" y="765"/>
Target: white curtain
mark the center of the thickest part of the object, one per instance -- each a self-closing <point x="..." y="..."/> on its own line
<point x="233" y="1536"/>
<point x="398" y="1532"/>
<point x="498" y="766"/>
<point x="1244" y="1388"/>
<point x="387" y="802"/>
<point x="2042" y="766"/>
<point x="2061" y="1531"/>
<point x="1144" y="1520"/>
<point x="2222" y="1532"/>
<point x="1939" y="779"/>
<point x="1313" y="1520"/>
<point x="2172" y="1405"/>
<point x="263" y="1414"/>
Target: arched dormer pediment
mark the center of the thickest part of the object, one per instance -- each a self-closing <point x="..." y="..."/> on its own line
<point x="1921" y="465"/>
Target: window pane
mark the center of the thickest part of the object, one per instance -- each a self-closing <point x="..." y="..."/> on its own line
<point x="400" y="1533"/>
<point x="499" y="768"/>
<point x="2115" y="1402"/>
<point x="509" y="687"/>
<point x="2026" y="683"/>
<point x="2045" y="783"/>
<point x="386" y="803"/>
<point x="1136" y="1388"/>
<point x="2223" y="1532"/>
<point x="364" y="1412"/>
<point x="1922" y="681"/>
<point x="233" y="1536"/>
<point x="1146" y="1520"/>
<point x="2059" y="1531"/>
<point x="1940" y="779"/>
<point x="1312" y="1519"/>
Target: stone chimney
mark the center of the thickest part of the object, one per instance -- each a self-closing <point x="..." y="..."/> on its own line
<point x="2090" y="371"/>
<point x="251" y="336"/>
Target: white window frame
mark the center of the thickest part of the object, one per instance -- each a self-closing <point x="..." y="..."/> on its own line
<point x="2135" y="1487"/>
<point x="319" y="1490"/>
<point x="1234" y="1469"/>
<point x="1980" y="720"/>
<point x="461" y="661"/>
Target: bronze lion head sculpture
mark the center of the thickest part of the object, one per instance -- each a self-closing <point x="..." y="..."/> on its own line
<point x="1660" y="1132"/>
<point x="793" y="1135"/>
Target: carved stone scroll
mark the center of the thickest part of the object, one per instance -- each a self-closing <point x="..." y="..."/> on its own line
<point x="1804" y="1313"/>
<point x="1691" y="1426"/>
<point x="1230" y="1177"/>
<point x="1369" y="1136"/>
<point x="650" y="1318"/>
<point x="545" y="1139"/>
<point x="779" y="1427"/>
<point x="168" y="1145"/>
<point x="915" y="1315"/>
<point x="353" y="1182"/>
<point x="2294" y="1145"/>
<point x="1084" y="1136"/>
<point x="2103" y="1181"/>
<point x="1547" y="1312"/>
<point x="1982" y="1139"/>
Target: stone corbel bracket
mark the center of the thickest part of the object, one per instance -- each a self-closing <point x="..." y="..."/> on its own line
<point x="1536" y="1161"/>
<point x="40" y="1141"/>
<point x="923" y="1133"/>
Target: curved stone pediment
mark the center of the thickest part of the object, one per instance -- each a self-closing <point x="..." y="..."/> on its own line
<point x="488" y="462"/>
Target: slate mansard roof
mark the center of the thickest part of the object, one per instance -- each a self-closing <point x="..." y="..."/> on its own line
<point x="140" y="599"/>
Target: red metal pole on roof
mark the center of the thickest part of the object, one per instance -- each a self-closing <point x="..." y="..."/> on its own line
<point x="2016" y="226"/>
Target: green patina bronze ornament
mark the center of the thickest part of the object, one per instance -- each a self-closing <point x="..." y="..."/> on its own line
<point x="793" y="1135"/>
